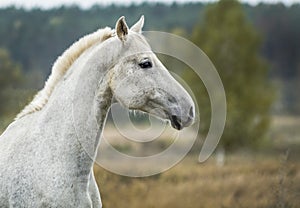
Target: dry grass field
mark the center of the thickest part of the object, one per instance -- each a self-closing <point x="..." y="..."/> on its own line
<point x="244" y="181"/>
<point x="266" y="178"/>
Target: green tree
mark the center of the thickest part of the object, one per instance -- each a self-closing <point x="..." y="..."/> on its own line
<point x="233" y="45"/>
<point x="10" y="78"/>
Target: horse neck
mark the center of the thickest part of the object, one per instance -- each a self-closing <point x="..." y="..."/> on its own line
<point x="76" y="111"/>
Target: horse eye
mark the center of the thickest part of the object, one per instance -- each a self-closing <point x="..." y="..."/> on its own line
<point x="145" y="64"/>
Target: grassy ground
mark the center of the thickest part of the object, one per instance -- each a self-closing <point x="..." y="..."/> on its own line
<point x="268" y="178"/>
<point x="244" y="181"/>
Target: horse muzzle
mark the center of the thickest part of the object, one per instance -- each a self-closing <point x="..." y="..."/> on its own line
<point x="179" y="121"/>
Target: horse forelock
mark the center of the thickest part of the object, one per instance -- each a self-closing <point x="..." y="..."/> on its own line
<point x="61" y="66"/>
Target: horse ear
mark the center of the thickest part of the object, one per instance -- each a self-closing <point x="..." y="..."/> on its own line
<point x="137" y="27"/>
<point x="121" y="28"/>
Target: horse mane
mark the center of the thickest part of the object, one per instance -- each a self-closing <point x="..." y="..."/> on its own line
<point x="61" y="66"/>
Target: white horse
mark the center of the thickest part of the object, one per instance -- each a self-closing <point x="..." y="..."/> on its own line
<point x="44" y="161"/>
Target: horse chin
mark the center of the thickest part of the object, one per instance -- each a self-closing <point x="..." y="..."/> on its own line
<point x="175" y="123"/>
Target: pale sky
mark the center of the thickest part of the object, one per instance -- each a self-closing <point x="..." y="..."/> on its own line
<point x="45" y="4"/>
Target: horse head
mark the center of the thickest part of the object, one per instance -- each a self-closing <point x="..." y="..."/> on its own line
<point x="139" y="81"/>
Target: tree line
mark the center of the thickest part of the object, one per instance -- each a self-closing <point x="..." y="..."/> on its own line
<point x="36" y="37"/>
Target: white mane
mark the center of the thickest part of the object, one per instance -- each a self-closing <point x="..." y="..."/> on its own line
<point x="61" y="66"/>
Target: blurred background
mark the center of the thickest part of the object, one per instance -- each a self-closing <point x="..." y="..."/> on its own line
<point x="255" y="47"/>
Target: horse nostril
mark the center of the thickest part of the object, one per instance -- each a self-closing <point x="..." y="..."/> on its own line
<point x="191" y="113"/>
